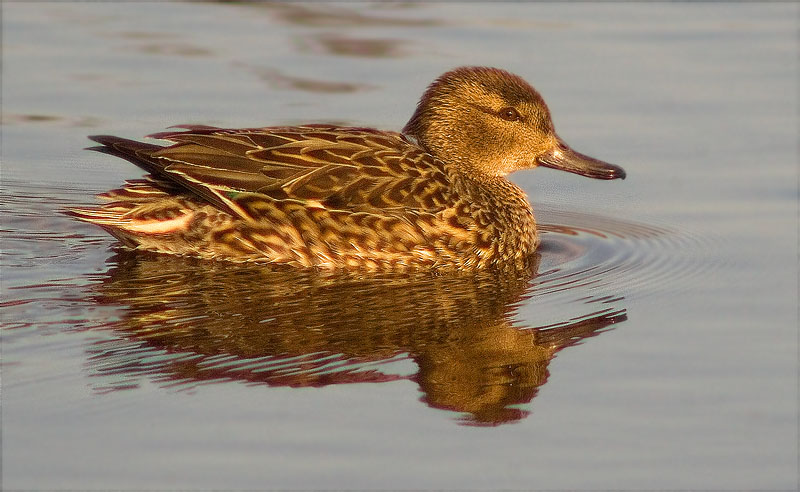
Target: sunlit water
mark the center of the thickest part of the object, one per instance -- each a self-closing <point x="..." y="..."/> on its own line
<point x="652" y="345"/>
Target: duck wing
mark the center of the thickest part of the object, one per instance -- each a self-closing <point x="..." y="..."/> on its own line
<point x="338" y="168"/>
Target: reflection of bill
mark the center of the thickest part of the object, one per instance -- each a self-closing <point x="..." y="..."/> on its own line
<point x="211" y="321"/>
<point x="488" y="372"/>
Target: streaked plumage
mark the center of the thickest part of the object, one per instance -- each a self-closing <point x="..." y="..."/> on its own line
<point x="433" y="197"/>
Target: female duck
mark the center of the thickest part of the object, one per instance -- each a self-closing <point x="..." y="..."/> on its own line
<point x="433" y="197"/>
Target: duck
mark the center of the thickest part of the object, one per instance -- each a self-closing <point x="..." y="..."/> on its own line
<point x="435" y="196"/>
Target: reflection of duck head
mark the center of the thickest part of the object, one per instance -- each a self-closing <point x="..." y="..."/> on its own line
<point x="222" y="322"/>
<point x="487" y="372"/>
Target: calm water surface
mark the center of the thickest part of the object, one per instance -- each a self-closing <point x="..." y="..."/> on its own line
<point x="652" y="345"/>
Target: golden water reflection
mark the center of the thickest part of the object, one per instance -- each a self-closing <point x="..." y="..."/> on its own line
<point x="188" y="322"/>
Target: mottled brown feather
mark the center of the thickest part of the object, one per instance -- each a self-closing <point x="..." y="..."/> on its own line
<point x="343" y="166"/>
<point x="321" y="196"/>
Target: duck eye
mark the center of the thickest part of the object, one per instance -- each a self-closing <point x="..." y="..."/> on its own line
<point x="509" y="114"/>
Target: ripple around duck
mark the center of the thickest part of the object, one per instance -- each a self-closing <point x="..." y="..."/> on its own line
<point x="581" y="250"/>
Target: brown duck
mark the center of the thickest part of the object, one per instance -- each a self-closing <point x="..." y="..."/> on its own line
<point x="432" y="197"/>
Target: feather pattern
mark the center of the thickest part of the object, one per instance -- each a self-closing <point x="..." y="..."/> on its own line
<point x="312" y="196"/>
<point x="346" y="168"/>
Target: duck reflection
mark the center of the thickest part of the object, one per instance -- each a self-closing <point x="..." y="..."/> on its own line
<point x="187" y="322"/>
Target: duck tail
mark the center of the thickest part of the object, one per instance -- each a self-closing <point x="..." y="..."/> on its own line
<point x="110" y="220"/>
<point x="138" y="153"/>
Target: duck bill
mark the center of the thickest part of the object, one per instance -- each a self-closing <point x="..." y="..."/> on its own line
<point x="564" y="158"/>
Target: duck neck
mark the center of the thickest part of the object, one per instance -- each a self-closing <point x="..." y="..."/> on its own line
<point x="503" y="207"/>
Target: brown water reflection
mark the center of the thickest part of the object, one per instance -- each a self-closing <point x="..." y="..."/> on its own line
<point x="328" y="15"/>
<point x="36" y="119"/>
<point x="279" y="80"/>
<point x="340" y="45"/>
<point x="188" y="322"/>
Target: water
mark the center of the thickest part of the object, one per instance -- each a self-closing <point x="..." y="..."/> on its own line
<point x="654" y="345"/>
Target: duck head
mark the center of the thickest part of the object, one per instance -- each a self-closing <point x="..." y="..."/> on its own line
<point x="491" y="122"/>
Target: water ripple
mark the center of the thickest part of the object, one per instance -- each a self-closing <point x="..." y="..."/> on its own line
<point x="582" y="250"/>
